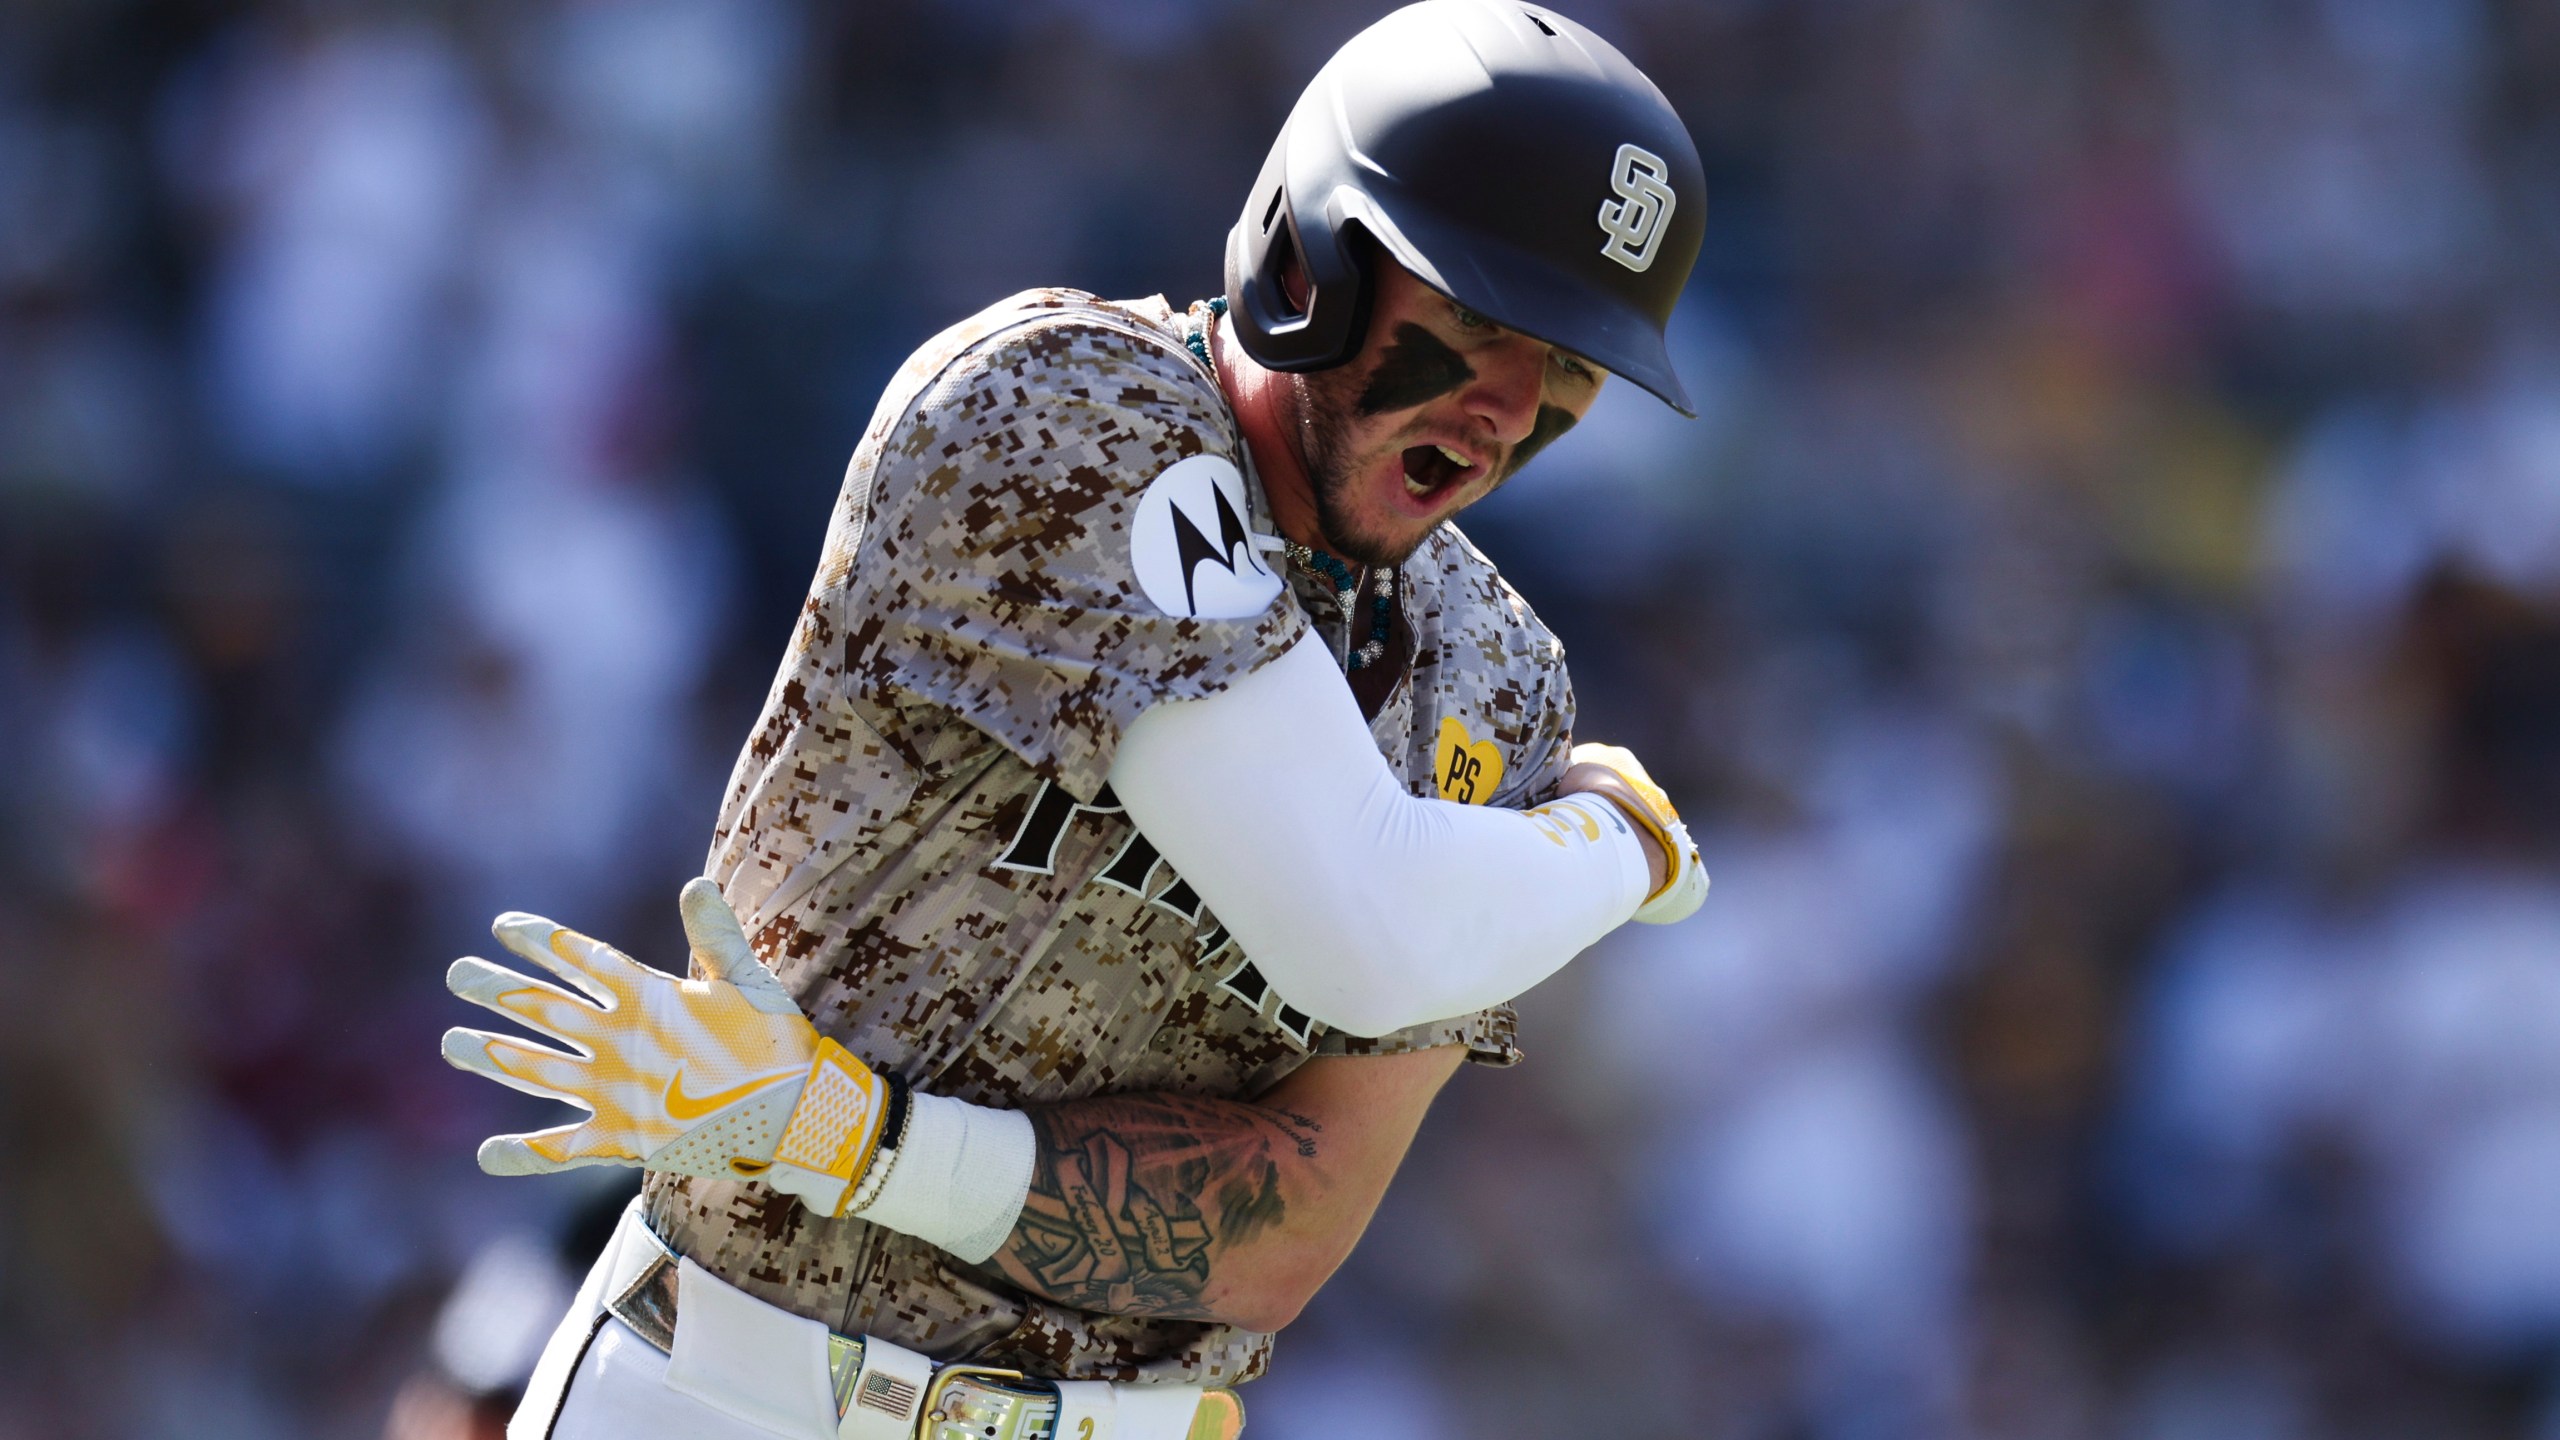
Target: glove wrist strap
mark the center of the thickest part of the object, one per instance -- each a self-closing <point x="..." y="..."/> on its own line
<point x="1623" y="793"/>
<point x="834" y="1132"/>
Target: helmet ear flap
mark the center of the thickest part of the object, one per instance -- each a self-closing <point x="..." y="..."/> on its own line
<point x="1282" y="332"/>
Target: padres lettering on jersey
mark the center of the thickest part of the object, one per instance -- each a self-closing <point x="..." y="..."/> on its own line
<point x="1136" y="869"/>
<point x="918" y="830"/>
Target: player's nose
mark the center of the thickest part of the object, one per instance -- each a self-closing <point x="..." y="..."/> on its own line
<point x="1509" y="379"/>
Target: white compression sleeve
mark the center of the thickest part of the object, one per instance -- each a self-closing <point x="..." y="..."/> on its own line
<point x="1365" y="907"/>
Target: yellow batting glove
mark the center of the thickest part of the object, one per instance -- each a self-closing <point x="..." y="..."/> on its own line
<point x="721" y="1076"/>
<point x="1685" y="888"/>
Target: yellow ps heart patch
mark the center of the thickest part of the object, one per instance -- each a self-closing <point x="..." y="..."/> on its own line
<point x="1469" y="770"/>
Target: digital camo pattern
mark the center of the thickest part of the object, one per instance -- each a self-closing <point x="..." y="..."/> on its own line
<point x="970" y="652"/>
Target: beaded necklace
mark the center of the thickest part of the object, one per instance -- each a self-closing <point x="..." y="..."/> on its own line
<point x="1346" y="590"/>
<point x="1346" y="584"/>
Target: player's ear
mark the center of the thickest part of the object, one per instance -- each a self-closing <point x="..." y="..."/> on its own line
<point x="1296" y="287"/>
<point x="1293" y="282"/>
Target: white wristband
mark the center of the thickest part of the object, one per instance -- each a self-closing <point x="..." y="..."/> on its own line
<point x="960" y="1176"/>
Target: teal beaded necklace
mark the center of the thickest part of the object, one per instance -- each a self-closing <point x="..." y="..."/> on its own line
<point x="1197" y="337"/>
<point x="1346" y="584"/>
<point x="1346" y="591"/>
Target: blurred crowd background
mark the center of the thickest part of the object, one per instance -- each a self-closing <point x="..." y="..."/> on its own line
<point x="2105" y="630"/>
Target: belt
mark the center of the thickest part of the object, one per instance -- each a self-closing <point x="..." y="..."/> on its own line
<point x="884" y="1390"/>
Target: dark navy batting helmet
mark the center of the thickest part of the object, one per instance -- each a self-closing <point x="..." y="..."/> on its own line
<point x="1508" y="157"/>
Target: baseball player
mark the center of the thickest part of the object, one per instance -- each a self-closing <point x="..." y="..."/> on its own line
<point x="1158" y="800"/>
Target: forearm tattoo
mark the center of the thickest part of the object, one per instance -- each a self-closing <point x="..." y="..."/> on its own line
<point x="1136" y="1200"/>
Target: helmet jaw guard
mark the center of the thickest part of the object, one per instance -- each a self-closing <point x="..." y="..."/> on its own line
<point x="1509" y="159"/>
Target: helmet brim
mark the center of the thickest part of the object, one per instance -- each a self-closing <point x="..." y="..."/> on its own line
<point x="1520" y="291"/>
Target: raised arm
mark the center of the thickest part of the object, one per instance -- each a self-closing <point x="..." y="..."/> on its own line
<point x="1227" y="1210"/>
<point x="1369" y="908"/>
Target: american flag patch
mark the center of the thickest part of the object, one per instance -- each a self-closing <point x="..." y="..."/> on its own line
<point x="888" y="1394"/>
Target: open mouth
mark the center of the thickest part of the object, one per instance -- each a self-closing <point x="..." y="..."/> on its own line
<point x="1431" y="471"/>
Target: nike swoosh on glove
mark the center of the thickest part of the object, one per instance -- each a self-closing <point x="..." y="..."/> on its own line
<point x="721" y="1076"/>
<point x="1685" y="888"/>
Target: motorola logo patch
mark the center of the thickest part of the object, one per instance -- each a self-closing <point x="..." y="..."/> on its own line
<point x="1191" y="548"/>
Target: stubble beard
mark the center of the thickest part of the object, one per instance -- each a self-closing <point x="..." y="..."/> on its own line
<point x="1324" y="415"/>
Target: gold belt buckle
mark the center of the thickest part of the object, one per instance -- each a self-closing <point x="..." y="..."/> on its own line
<point x="981" y="1402"/>
<point x="976" y="1402"/>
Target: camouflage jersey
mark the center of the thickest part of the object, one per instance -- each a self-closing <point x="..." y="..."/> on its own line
<point x="919" y="835"/>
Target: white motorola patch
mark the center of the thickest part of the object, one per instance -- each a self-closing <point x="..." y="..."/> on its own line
<point x="1193" y="552"/>
<point x="1634" y="222"/>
